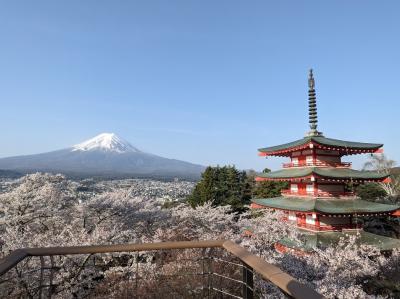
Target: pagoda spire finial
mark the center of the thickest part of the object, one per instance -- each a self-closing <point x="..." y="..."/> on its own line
<point x="312" y="106"/>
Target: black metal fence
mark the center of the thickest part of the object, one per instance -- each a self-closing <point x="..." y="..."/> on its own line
<point x="208" y="269"/>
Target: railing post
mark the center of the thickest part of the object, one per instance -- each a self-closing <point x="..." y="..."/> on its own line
<point x="204" y="288"/>
<point x="51" y="287"/>
<point x="248" y="285"/>
<point x="42" y="265"/>
<point x="137" y="274"/>
<point x="210" y="272"/>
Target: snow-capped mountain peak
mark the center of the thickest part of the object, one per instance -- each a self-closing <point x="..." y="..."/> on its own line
<point x="109" y="142"/>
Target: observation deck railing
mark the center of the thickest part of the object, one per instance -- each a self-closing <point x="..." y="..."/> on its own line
<point x="318" y="193"/>
<point x="187" y="269"/>
<point x="317" y="163"/>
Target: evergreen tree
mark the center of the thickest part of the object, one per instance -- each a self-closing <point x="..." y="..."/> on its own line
<point x="228" y="186"/>
<point x="266" y="189"/>
<point x="269" y="189"/>
<point x="370" y="191"/>
<point x="222" y="186"/>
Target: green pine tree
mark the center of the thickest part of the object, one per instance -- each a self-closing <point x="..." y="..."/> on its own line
<point x="222" y="186"/>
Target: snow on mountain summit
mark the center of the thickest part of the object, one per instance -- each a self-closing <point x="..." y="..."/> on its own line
<point x="109" y="142"/>
<point x="107" y="156"/>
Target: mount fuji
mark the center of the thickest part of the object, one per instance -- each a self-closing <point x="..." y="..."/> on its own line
<point x="105" y="155"/>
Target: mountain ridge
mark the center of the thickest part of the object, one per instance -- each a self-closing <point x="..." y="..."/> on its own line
<point x="105" y="155"/>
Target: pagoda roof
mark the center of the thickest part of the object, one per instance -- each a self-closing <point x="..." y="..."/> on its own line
<point x="318" y="239"/>
<point x="322" y="172"/>
<point x="325" y="206"/>
<point x="345" y="147"/>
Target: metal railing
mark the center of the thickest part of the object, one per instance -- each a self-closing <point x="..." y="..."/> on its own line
<point x="186" y="269"/>
<point x="317" y="163"/>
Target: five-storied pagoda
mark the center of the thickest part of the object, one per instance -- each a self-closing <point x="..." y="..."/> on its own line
<point x="320" y="198"/>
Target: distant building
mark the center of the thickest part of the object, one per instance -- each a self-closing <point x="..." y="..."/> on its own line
<point x="318" y="199"/>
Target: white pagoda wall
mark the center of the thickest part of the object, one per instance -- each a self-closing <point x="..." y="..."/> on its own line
<point x="292" y="216"/>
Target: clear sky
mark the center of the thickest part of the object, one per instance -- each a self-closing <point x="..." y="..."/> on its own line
<point x="203" y="81"/>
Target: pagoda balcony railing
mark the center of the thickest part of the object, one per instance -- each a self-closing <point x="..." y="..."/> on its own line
<point x="318" y="193"/>
<point x="331" y="227"/>
<point x="186" y="269"/>
<point x="335" y="194"/>
<point x="317" y="163"/>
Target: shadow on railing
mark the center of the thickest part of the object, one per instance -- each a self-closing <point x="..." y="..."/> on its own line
<point x="187" y="269"/>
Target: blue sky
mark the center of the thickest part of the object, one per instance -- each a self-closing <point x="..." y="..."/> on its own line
<point x="202" y="81"/>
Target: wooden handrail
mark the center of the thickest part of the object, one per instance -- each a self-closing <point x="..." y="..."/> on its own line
<point x="269" y="272"/>
<point x="18" y="255"/>
<point x="11" y="260"/>
<point x="282" y="280"/>
<point x="123" y="247"/>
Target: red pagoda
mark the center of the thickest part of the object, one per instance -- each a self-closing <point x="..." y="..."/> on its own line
<point x="320" y="197"/>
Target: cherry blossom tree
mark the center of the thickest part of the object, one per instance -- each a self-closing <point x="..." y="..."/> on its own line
<point x="49" y="210"/>
<point x="384" y="165"/>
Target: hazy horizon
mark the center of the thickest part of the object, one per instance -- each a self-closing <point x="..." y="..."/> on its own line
<point x="204" y="82"/>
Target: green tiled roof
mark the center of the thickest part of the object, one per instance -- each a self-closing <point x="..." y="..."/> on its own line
<point x="313" y="240"/>
<point x="286" y="173"/>
<point x="285" y="145"/>
<point x="323" y="205"/>
<point x="344" y="143"/>
<point x="329" y="172"/>
<point x="323" y="141"/>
